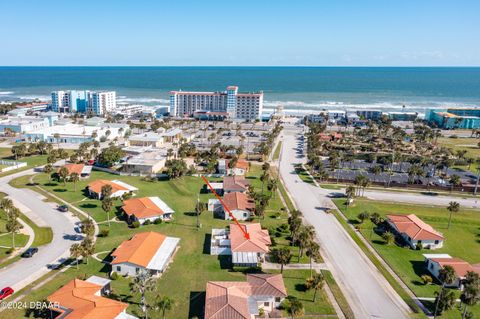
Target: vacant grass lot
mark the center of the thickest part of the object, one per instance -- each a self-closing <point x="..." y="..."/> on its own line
<point x="32" y="161"/>
<point x="468" y="144"/>
<point x="462" y="240"/>
<point x="192" y="266"/>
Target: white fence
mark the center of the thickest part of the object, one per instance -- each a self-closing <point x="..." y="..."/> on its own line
<point x="11" y="165"/>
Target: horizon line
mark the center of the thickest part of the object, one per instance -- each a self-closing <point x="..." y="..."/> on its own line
<point x="239" y="66"/>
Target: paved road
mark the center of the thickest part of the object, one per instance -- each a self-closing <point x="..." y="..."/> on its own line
<point x="25" y="271"/>
<point x="368" y="292"/>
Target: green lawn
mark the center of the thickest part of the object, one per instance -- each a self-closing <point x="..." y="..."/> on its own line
<point x="461" y="240"/>
<point x="32" y="161"/>
<point x="303" y="174"/>
<point x="276" y="153"/>
<point x="468" y="144"/>
<point x="338" y="294"/>
<point x="192" y="266"/>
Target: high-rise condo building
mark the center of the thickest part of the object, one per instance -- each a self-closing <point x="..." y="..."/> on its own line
<point x="73" y="101"/>
<point x="234" y="104"/>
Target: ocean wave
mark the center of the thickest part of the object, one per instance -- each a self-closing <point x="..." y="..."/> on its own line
<point x="142" y="100"/>
<point x="6" y="92"/>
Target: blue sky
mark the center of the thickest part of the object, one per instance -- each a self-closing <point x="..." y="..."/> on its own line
<point x="261" y="32"/>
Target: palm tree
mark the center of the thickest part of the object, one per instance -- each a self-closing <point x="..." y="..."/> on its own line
<point x="75" y="252"/>
<point x="313" y="252"/>
<point x="471" y="291"/>
<point x="13" y="226"/>
<point x="295" y="307"/>
<point x="164" y="303"/>
<point x="447" y="276"/>
<point x="63" y="174"/>
<point x="454" y="181"/>
<point x="47" y="169"/>
<point x="87" y="248"/>
<point x="282" y="256"/>
<point x="142" y="283"/>
<point x="107" y="204"/>
<point x="453" y="207"/>
<point x="350" y="193"/>
<point x="106" y="191"/>
<point x="316" y="282"/>
<point x="6" y="204"/>
<point x="74" y="177"/>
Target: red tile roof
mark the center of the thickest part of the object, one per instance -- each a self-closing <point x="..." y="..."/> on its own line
<point x="414" y="227"/>
<point x="259" y="238"/>
<point x="229" y="299"/>
<point x="139" y="250"/>
<point x="460" y="266"/>
<point x="235" y="183"/>
<point x="239" y="201"/>
<point x="74" y="168"/>
<point x="141" y="207"/>
<point x="79" y="297"/>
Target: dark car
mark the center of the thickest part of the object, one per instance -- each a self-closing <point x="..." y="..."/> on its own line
<point x="30" y="252"/>
<point x="63" y="208"/>
<point x="5" y="292"/>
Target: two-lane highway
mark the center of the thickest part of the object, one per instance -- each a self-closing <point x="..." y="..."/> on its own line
<point x="368" y="292"/>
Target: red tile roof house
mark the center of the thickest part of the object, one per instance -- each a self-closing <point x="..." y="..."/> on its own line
<point x="80" y="299"/>
<point x="118" y="188"/>
<point x="243" y="300"/>
<point x="245" y="252"/>
<point x="146" y="208"/>
<point x="435" y="262"/>
<point x="235" y="184"/>
<point x="239" y="204"/>
<point x="149" y="251"/>
<point x="241" y="167"/>
<point x="413" y="230"/>
<point x="82" y="170"/>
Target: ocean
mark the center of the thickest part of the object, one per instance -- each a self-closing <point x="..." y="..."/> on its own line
<point x="295" y="88"/>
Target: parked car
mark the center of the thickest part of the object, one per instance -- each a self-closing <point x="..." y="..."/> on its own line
<point x="5" y="292"/>
<point x="91" y="162"/>
<point x="63" y="208"/>
<point x="30" y="252"/>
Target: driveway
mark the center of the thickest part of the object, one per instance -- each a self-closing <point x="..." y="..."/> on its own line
<point x="25" y="271"/>
<point x="367" y="291"/>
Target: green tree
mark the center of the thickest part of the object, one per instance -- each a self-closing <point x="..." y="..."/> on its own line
<point x="107" y="205"/>
<point x="47" y="169"/>
<point x="142" y="283"/>
<point x="110" y="155"/>
<point x="313" y="252"/>
<point x="76" y="252"/>
<point x="106" y="191"/>
<point x="88" y="227"/>
<point x="63" y="174"/>
<point x="388" y="237"/>
<point x="363" y="216"/>
<point x="295" y="307"/>
<point x="175" y="168"/>
<point x="315" y="282"/>
<point x="13" y="225"/>
<point x="87" y="248"/>
<point x="163" y="304"/>
<point x="443" y="301"/>
<point x="471" y="291"/>
<point x="281" y="256"/>
<point x="453" y="207"/>
<point x="74" y="177"/>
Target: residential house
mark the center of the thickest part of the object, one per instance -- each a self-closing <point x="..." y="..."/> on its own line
<point x="240" y="205"/>
<point x="146" y="208"/>
<point x="149" y="251"/>
<point x="119" y="188"/>
<point x="243" y="300"/>
<point x="146" y="139"/>
<point x="245" y="252"/>
<point x="435" y="263"/>
<point x="235" y="183"/>
<point x="81" y="299"/>
<point x="241" y="167"/>
<point x="82" y="170"/>
<point x="414" y="231"/>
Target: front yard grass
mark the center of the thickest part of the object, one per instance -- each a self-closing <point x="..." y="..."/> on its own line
<point x="192" y="266"/>
<point x="461" y="240"/>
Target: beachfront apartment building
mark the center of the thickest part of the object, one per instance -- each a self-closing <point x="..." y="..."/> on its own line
<point x="454" y="118"/>
<point x="93" y="102"/>
<point x="231" y="103"/>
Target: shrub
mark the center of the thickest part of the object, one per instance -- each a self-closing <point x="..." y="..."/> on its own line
<point x="419" y="246"/>
<point x="104" y="233"/>
<point x="147" y="222"/>
<point x="158" y="221"/>
<point x="114" y="275"/>
<point x="426" y="279"/>
<point x="103" y="139"/>
<point x="388" y="237"/>
<point x="136" y="224"/>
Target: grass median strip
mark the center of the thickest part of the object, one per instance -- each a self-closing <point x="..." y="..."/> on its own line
<point x="338" y="294"/>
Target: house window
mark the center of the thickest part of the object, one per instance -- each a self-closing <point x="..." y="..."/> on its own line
<point x="436" y="242"/>
<point x="137" y="270"/>
<point x="266" y="304"/>
<point x="277" y="299"/>
<point x="119" y="268"/>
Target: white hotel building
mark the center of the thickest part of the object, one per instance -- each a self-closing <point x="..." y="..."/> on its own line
<point x="230" y="103"/>
<point x="93" y="102"/>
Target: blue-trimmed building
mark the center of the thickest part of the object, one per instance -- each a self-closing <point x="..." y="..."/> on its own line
<point x="454" y="118"/>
